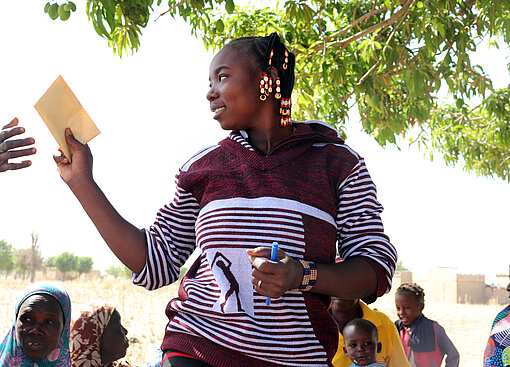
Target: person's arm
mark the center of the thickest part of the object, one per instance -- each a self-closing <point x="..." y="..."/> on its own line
<point x="369" y="258"/>
<point x="9" y="147"/>
<point x="447" y="347"/>
<point x="171" y="240"/>
<point x="360" y="228"/>
<point x="125" y="240"/>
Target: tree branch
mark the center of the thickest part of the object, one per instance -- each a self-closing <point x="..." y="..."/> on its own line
<point x="170" y="9"/>
<point x="355" y="23"/>
<point x="384" y="48"/>
<point x="344" y="43"/>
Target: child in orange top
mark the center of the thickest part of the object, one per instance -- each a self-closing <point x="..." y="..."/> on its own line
<point x="425" y="341"/>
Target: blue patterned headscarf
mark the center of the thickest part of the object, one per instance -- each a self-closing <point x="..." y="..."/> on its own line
<point x="11" y="354"/>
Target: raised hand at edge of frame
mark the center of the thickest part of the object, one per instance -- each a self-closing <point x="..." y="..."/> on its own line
<point x="8" y="147"/>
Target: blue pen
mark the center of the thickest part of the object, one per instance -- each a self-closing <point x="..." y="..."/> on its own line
<point x="274" y="252"/>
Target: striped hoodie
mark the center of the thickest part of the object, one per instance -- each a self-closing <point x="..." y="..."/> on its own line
<point x="313" y="195"/>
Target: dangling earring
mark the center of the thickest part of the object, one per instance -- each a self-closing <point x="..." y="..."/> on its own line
<point x="264" y="86"/>
<point x="278" y="94"/>
<point x="271" y="57"/>
<point x="286" y="60"/>
<point x="285" y="112"/>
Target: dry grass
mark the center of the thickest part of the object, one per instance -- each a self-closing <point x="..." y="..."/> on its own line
<point x="143" y="314"/>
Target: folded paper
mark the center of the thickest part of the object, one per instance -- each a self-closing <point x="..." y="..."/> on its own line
<point x="59" y="108"/>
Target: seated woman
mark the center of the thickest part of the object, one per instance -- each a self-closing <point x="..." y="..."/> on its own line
<point x="98" y="338"/>
<point x="40" y="332"/>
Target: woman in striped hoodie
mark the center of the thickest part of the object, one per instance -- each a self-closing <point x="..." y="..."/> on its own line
<point x="272" y="179"/>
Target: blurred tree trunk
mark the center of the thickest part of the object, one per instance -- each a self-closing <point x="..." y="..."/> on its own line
<point x="34" y="255"/>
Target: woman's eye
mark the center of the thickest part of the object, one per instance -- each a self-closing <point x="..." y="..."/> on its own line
<point x="221" y="77"/>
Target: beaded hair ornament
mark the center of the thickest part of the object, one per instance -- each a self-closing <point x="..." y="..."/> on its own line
<point x="266" y="80"/>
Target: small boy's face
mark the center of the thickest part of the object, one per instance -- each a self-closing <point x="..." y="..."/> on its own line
<point x="361" y="346"/>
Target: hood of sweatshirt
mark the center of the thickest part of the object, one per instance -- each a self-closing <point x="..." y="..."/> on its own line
<point x="305" y="135"/>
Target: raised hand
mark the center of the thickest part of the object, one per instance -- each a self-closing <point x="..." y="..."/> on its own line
<point x="8" y="147"/>
<point x="80" y="166"/>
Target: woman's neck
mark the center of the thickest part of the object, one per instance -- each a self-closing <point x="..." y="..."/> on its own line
<point x="342" y="318"/>
<point x="266" y="139"/>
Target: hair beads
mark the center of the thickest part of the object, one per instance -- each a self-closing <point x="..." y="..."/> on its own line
<point x="270" y="54"/>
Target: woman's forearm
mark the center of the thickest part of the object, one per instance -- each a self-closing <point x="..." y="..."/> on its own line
<point x="126" y="241"/>
<point x="349" y="279"/>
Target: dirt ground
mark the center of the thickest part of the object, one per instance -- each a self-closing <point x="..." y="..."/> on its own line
<point x="143" y="315"/>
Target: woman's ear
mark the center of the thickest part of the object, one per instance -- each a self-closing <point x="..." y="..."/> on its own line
<point x="273" y="72"/>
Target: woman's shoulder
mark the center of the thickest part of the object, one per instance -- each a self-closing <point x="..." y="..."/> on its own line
<point x="198" y="156"/>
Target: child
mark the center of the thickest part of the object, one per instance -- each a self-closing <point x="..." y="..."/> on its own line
<point x="361" y="343"/>
<point x="425" y="341"/>
<point x="392" y="352"/>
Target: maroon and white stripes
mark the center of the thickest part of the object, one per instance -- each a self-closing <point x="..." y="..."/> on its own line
<point x="230" y="199"/>
<point x="360" y="229"/>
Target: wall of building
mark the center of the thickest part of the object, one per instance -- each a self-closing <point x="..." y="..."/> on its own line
<point x="445" y="285"/>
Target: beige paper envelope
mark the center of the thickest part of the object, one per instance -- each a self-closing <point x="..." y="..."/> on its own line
<point x="59" y="108"/>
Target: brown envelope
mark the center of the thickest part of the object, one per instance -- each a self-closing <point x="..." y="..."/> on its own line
<point x="59" y="108"/>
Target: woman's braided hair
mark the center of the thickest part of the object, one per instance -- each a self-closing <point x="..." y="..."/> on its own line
<point x="259" y="50"/>
<point x="414" y="289"/>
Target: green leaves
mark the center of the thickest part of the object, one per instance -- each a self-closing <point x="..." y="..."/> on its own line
<point x="388" y="59"/>
<point x="229" y="6"/>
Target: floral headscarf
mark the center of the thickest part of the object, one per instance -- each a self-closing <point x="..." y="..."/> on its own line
<point x="12" y="355"/>
<point x="86" y="334"/>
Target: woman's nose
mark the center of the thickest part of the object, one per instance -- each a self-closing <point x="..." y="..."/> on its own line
<point x="211" y="94"/>
<point x="35" y="329"/>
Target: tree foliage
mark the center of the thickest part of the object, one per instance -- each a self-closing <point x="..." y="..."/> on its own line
<point x="84" y="265"/>
<point x="6" y="257"/>
<point x="401" y="266"/>
<point x="119" y="271"/>
<point x="66" y="262"/>
<point x="22" y="261"/>
<point x="391" y="59"/>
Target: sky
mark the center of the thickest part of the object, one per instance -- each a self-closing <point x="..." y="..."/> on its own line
<point x="152" y="113"/>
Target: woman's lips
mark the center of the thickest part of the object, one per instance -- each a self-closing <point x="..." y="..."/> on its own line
<point x="218" y="110"/>
<point x="34" y="345"/>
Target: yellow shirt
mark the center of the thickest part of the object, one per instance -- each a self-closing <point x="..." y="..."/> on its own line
<point x="392" y="351"/>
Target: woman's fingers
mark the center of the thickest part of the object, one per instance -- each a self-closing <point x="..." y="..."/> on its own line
<point x="72" y="141"/>
<point x="18" y="153"/>
<point x="60" y="159"/>
<point x="268" y="277"/>
<point x="6" y="145"/>
<point x="13" y="123"/>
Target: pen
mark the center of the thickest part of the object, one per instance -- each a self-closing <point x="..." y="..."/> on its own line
<point x="274" y="251"/>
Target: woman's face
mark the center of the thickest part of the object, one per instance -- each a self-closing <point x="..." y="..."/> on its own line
<point x="234" y="90"/>
<point x="408" y="307"/>
<point x="113" y="343"/>
<point x="39" y="325"/>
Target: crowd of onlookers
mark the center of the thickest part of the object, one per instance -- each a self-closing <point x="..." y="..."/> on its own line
<point x="43" y="333"/>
